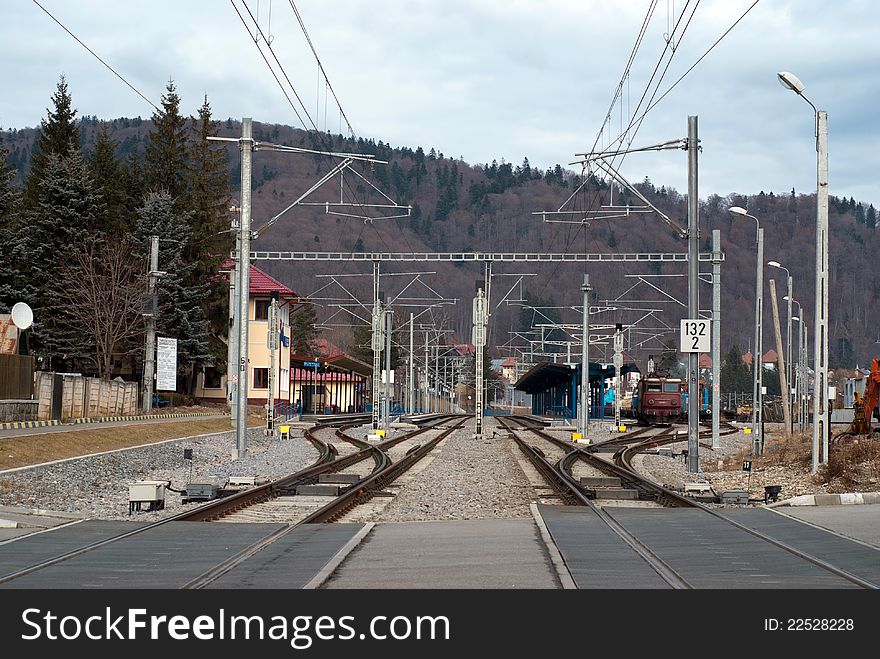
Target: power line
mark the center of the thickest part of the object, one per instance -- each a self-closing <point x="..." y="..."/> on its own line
<point x="321" y="66"/>
<point x="112" y="70"/>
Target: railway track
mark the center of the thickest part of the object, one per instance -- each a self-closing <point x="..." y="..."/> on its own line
<point x="328" y="462"/>
<point x="572" y="492"/>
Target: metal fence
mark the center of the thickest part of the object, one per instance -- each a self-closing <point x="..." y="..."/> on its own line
<point x="16" y="377"/>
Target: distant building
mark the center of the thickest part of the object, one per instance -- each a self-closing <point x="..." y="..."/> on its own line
<point x="211" y="384"/>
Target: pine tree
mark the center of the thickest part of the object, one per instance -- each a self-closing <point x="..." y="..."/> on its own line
<point x="860" y="213"/>
<point x="180" y="313"/>
<point x="165" y="159"/>
<point x="207" y="200"/>
<point x="58" y="135"/>
<point x="302" y="329"/>
<point x="117" y="217"/>
<point x="10" y="198"/>
<point x="735" y="376"/>
<point x="871" y="217"/>
<point x="68" y="208"/>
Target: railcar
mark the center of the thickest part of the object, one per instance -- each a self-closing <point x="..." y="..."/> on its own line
<point x="658" y="399"/>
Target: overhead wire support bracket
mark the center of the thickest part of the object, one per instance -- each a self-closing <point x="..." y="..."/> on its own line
<point x="613" y="173"/>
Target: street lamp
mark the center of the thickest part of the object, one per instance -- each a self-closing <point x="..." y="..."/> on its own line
<point x="788" y="355"/>
<point x="758" y="357"/>
<point x="820" y="348"/>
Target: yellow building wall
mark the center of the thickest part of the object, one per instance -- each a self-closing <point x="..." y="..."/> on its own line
<point x="258" y="357"/>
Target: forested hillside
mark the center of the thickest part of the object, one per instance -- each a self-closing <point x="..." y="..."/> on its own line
<point x="125" y="165"/>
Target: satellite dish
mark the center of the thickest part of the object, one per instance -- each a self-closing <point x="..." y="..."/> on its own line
<point x="22" y="316"/>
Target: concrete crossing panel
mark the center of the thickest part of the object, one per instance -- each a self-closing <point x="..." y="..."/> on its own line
<point x="595" y="555"/>
<point x="168" y="556"/>
<point x="853" y="557"/>
<point x="480" y="553"/>
<point x="292" y="560"/>
<point x="710" y="553"/>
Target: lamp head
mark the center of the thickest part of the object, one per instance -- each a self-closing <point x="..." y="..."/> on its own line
<point x="737" y="210"/>
<point x="790" y="81"/>
<point x="795" y="318"/>
<point x="774" y="264"/>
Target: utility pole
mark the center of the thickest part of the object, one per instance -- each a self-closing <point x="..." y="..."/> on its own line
<point x="272" y="344"/>
<point x="232" y="355"/>
<point x="783" y="380"/>
<point x="376" y="343"/>
<point x="389" y="319"/>
<point x="758" y="361"/>
<point x="150" y="356"/>
<point x="480" y="320"/>
<point x="618" y="365"/>
<point x="716" y="337"/>
<point x="584" y="403"/>
<point x="821" y="420"/>
<point x="244" y="232"/>
<point x="410" y="389"/>
<point x="427" y="405"/>
<point x="693" y="296"/>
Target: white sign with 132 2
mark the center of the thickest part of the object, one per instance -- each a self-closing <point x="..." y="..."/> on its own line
<point x="695" y="335"/>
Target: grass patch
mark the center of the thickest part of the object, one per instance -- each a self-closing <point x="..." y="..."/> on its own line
<point x="28" y="450"/>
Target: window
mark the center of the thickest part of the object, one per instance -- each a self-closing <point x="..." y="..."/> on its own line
<point x="212" y="378"/>
<point x="670" y="387"/>
<point x="261" y="309"/>
<point x="261" y="378"/>
<point x="653" y="386"/>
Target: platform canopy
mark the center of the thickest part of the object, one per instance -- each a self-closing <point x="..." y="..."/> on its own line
<point x="547" y="375"/>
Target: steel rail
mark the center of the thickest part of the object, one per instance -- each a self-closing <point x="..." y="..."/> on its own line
<point x="208" y="510"/>
<point x="342" y="503"/>
<point x="680" y="500"/>
<point x="559" y="478"/>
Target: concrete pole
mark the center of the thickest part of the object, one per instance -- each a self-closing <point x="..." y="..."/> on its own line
<point x="757" y="358"/>
<point x="584" y="404"/>
<point x="376" y="344"/>
<point x="805" y="389"/>
<point x="150" y="356"/>
<point x="693" y="296"/>
<point x="618" y="380"/>
<point x="272" y="341"/>
<point x="233" y="352"/>
<point x="820" y="335"/>
<point x="389" y="320"/>
<point x="435" y="403"/>
<point x="244" y="232"/>
<point x="412" y="359"/>
<point x="427" y="406"/>
<point x="716" y="337"/>
<point x="790" y="360"/>
<point x="783" y="382"/>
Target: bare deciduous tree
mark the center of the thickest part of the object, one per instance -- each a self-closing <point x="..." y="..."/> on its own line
<point x="101" y="296"/>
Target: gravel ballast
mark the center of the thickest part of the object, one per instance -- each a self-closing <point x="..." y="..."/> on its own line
<point x="467" y="479"/>
<point x="96" y="487"/>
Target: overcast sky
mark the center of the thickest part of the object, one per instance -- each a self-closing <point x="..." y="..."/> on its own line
<point x="486" y="79"/>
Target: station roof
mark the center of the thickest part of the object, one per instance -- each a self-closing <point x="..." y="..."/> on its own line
<point x="340" y="362"/>
<point x="546" y="375"/>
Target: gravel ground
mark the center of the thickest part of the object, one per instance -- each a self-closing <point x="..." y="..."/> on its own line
<point x="728" y="475"/>
<point x="97" y="487"/>
<point x="468" y="479"/>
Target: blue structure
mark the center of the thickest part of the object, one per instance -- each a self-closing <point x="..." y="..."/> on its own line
<point x="553" y="388"/>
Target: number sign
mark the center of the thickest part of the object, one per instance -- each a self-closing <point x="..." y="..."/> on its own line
<point x="747" y="465"/>
<point x="695" y="335"/>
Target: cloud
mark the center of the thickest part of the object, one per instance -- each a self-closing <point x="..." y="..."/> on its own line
<point x="490" y="79"/>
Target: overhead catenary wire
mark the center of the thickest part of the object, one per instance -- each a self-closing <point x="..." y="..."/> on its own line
<point x="97" y="57"/>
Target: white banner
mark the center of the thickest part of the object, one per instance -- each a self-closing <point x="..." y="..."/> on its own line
<point x="166" y="364"/>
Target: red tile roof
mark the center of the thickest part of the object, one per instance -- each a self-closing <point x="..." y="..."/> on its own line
<point x="262" y="284"/>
